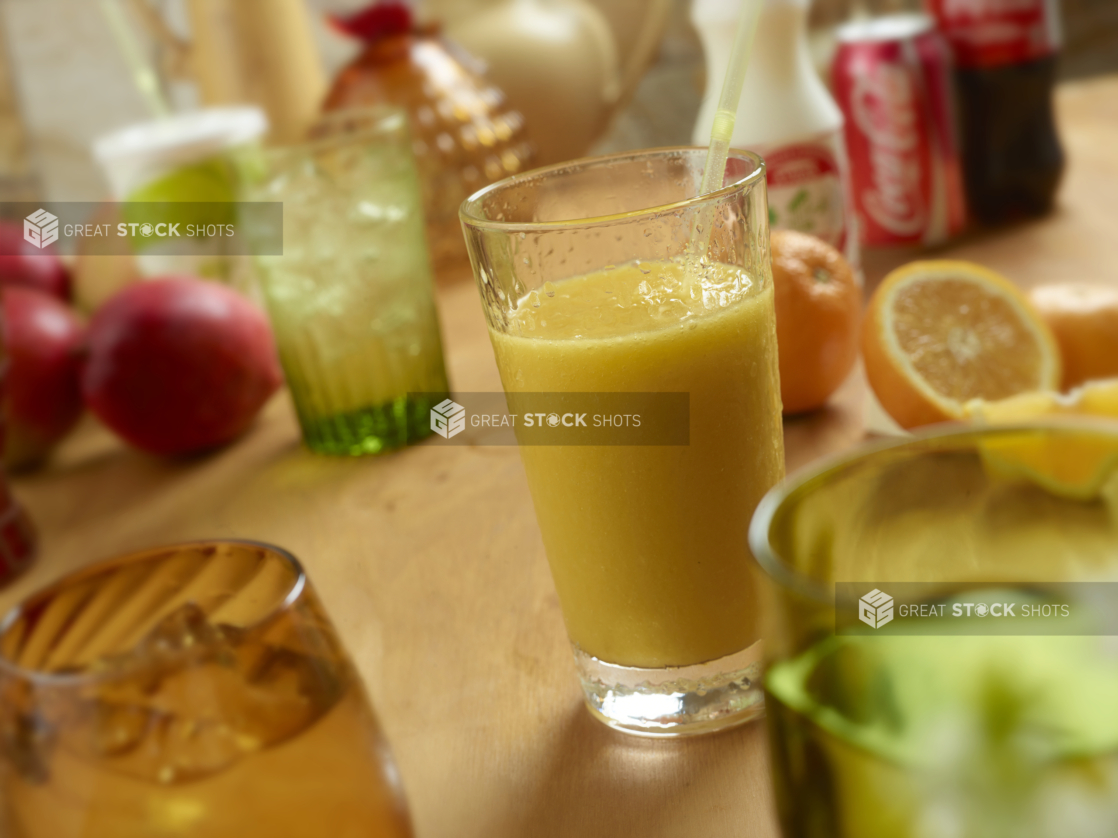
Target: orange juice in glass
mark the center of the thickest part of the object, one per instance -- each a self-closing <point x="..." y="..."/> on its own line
<point x="612" y="276"/>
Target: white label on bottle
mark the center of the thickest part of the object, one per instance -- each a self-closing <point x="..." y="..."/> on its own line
<point x="805" y="186"/>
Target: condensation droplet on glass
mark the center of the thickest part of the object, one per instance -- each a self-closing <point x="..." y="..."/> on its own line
<point x="549" y="288"/>
<point x="534" y="298"/>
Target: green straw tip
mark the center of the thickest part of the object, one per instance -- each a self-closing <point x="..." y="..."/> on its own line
<point x="723" y="128"/>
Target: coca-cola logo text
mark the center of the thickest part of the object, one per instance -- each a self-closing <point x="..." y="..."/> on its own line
<point x="884" y="109"/>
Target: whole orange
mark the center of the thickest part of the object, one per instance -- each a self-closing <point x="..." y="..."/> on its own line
<point x="1084" y="319"/>
<point x="818" y="307"/>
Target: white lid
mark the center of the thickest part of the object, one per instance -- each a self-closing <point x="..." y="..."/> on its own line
<point x="143" y="150"/>
<point x="899" y="27"/>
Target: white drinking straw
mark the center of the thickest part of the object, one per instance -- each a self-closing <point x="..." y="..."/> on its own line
<point x="723" y="127"/>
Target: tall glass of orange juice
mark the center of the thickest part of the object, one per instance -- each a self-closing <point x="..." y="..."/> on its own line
<point x="607" y="279"/>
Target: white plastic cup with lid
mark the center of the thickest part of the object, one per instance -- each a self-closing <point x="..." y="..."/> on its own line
<point x="182" y="159"/>
<point x="139" y="154"/>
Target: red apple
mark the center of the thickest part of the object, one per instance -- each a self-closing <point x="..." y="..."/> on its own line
<point x="45" y="341"/>
<point x="25" y="265"/>
<point x="179" y="365"/>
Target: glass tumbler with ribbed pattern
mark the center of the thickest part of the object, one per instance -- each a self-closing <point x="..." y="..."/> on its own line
<point x="351" y="297"/>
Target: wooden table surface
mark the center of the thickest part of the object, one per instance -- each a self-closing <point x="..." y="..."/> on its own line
<point x="430" y="562"/>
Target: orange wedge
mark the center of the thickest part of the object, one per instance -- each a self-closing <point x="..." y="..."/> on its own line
<point x="1097" y="398"/>
<point x="938" y="334"/>
<point x="1073" y="466"/>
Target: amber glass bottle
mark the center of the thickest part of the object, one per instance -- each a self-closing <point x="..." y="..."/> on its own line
<point x="464" y="135"/>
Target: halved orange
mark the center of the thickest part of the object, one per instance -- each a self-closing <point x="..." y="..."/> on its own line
<point x="940" y="333"/>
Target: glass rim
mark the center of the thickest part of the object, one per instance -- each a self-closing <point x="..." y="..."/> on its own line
<point x="60" y="679"/>
<point x="468" y="215"/>
<point x="382" y="119"/>
<point x="777" y="568"/>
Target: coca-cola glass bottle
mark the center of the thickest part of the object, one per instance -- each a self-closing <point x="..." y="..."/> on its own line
<point x="1005" y="69"/>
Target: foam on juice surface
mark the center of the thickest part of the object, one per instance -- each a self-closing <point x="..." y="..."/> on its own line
<point x="629" y="299"/>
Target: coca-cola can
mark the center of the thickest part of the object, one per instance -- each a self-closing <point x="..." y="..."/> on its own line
<point x="892" y="79"/>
